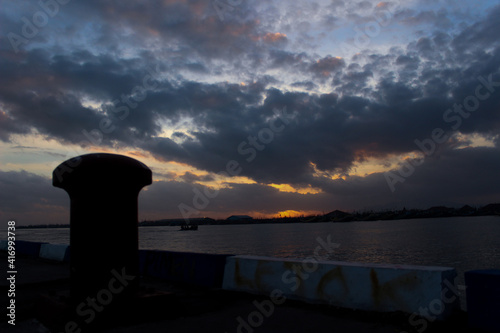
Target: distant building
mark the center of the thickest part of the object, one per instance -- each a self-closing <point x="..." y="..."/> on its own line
<point x="239" y="218"/>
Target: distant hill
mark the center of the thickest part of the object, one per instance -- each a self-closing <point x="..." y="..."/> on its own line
<point x="341" y="216"/>
<point x="333" y="216"/>
<point x="432" y="212"/>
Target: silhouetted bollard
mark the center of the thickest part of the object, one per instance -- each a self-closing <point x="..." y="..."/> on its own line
<point x="103" y="190"/>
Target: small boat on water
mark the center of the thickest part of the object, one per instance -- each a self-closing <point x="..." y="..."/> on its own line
<point x="185" y="227"/>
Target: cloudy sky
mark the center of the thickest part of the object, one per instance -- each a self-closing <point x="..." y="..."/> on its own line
<point x="254" y="107"/>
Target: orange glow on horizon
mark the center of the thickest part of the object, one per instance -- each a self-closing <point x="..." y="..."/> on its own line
<point x="296" y="213"/>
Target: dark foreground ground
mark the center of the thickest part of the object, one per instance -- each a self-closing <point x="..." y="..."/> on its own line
<point x="205" y="310"/>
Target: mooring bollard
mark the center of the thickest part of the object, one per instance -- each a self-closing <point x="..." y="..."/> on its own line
<point x="103" y="190"/>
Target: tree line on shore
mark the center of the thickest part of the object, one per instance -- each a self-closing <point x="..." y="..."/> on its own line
<point x="334" y="216"/>
<point x="340" y="216"/>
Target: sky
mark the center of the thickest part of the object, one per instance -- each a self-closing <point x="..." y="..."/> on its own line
<point x="264" y="108"/>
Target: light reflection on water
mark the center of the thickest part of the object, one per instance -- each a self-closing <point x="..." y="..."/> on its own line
<point x="464" y="243"/>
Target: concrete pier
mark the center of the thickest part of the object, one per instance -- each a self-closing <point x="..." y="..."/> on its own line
<point x="209" y="308"/>
<point x="427" y="291"/>
<point x="56" y="252"/>
<point x="204" y="306"/>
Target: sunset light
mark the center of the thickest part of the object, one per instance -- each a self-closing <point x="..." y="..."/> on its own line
<point x="266" y="106"/>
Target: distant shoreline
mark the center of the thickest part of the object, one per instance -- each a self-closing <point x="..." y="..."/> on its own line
<point x="336" y="216"/>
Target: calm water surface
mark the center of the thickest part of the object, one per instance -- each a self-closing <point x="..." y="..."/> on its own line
<point x="464" y="243"/>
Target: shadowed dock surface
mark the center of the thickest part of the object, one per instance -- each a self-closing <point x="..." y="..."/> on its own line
<point x="208" y="310"/>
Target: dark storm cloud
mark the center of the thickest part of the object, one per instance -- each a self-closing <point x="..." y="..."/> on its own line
<point x="438" y="19"/>
<point x="453" y="176"/>
<point x="326" y="66"/>
<point x="354" y="81"/>
<point x="196" y="67"/>
<point x="188" y="29"/>
<point x="408" y="61"/>
<point x="279" y="58"/>
<point x="190" y="177"/>
<point x="235" y="199"/>
<point x="47" y="93"/>
<point x="479" y="35"/>
<point x="378" y="105"/>
<point x="457" y="177"/>
<point x="308" y="85"/>
<point x="226" y="115"/>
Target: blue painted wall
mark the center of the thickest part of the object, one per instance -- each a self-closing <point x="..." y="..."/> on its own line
<point x="28" y="248"/>
<point x="198" y="269"/>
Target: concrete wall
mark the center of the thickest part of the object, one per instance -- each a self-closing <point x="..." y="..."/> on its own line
<point x="369" y="287"/>
<point x="28" y="248"/>
<point x="426" y="291"/>
<point x="198" y="269"/>
<point x="57" y="252"/>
